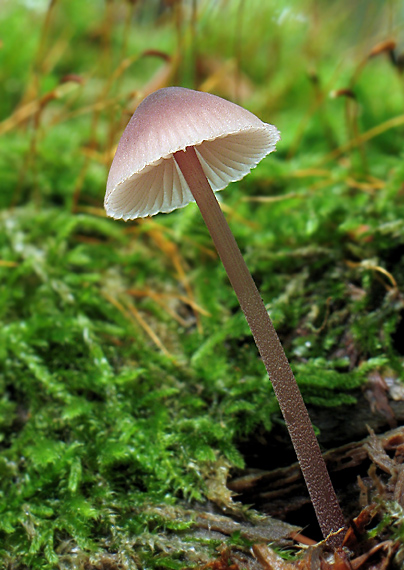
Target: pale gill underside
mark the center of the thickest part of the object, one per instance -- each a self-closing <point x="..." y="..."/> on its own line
<point x="161" y="187"/>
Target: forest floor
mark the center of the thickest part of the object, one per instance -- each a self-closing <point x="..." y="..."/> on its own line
<point x="138" y="428"/>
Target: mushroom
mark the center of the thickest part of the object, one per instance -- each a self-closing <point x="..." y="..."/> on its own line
<point x="182" y="146"/>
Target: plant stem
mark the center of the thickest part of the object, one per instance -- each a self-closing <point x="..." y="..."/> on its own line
<point x="290" y="400"/>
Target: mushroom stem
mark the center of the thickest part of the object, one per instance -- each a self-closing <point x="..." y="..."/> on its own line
<point x="290" y="400"/>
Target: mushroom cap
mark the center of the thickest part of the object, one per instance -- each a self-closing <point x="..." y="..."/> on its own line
<point x="145" y="179"/>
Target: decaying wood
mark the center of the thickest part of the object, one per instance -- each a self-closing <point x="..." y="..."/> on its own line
<point x="281" y="491"/>
<point x="253" y="528"/>
<point x="382" y="456"/>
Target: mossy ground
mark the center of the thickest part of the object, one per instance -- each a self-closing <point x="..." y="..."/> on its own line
<point x="128" y="373"/>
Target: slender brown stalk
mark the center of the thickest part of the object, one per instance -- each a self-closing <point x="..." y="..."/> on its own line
<point x="294" y="411"/>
